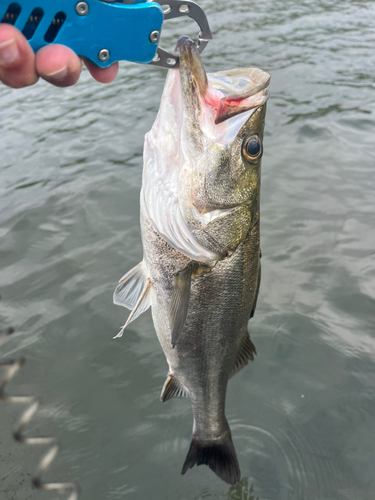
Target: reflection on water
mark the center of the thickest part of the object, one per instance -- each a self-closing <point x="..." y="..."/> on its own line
<point x="242" y="491"/>
<point x="302" y="415"/>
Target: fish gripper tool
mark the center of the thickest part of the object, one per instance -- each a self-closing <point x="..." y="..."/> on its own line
<point x="104" y="31"/>
<point x="9" y="369"/>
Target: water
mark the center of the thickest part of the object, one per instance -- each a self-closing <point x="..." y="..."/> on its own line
<point x="302" y="415"/>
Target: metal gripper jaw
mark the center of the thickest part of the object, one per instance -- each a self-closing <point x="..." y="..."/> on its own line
<point x="103" y="31"/>
<point x="179" y="8"/>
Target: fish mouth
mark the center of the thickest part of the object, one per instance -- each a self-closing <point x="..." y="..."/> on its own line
<point x="226" y="93"/>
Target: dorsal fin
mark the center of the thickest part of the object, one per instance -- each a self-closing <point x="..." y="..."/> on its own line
<point x="133" y="292"/>
<point x="246" y="353"/>
<point x="179" y="302"/>
<point x="172" y="389"/>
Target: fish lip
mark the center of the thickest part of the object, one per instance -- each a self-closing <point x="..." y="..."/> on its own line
<point x="223" y="91"/>
<point x="260" y="81"/>
<point x="191" y="64"/>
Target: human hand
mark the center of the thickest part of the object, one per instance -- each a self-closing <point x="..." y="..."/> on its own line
<point x="57" y="64"/>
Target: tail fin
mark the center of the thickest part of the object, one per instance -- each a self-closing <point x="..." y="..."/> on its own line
<point x="218" y="454"/>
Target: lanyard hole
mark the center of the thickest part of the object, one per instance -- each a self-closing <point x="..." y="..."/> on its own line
<point x="166" y="9"/>
<point x="184" y="9"/>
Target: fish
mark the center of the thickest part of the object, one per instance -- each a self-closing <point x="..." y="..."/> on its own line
<point x="200" y="271"/>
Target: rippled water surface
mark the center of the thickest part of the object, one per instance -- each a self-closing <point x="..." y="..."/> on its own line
<point x="303" y="414"/>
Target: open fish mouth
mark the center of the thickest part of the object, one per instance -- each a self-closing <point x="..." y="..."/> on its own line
<point x="226" y="93"/>
<point x="198" y="123"/>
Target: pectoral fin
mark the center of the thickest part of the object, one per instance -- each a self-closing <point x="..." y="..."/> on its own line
<point x="247" y="352"/>
<point x="133" y="292"/>
<point x="172" y="389"/>
<point x="130" y="287"/>
<point x="179" y="302"/>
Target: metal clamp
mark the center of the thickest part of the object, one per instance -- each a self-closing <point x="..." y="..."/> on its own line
<point x="179" y="8"/>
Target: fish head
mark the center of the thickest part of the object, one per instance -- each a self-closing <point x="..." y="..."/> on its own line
<point x="207" y="146"/>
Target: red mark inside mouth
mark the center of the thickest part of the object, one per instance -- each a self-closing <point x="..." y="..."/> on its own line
<point x="226" y="107"/>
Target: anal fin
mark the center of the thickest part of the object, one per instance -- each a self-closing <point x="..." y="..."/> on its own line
<point x="179" y="302"/>
<point x="172" y="389"/>
<point x="245" y="354"/>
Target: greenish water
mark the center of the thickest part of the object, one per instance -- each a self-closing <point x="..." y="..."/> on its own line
<point x="303" y="414"/>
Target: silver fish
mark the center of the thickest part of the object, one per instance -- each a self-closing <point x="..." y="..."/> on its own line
<point x="200" y="271"/>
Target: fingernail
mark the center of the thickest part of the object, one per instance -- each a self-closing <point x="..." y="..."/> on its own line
<point x="59" y="75"/>
<point x="9" y="52"/>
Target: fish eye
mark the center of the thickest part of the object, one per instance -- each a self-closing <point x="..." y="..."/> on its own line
<point x="252" y="148"/>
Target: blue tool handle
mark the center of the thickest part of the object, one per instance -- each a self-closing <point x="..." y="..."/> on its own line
<point x="102" y="32"/>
